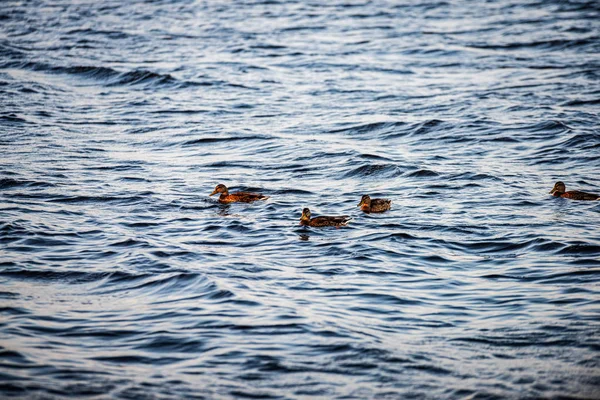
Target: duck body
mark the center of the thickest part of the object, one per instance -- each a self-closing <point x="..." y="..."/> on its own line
<point x="336" y="221"/>
<point x="559" y="190"/>
<point x="241" y="197"/>
<point x="237" y="197"/>
<point x="576" y="195"/>
<point x="369" y="205"/>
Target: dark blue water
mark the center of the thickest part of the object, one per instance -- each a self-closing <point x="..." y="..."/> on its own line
<point x="120" y="278"/>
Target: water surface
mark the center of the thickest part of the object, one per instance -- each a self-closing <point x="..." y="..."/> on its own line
<point x="120" y="278"/>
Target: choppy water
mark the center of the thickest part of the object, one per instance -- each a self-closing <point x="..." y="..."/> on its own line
<point x="120" y="277"/>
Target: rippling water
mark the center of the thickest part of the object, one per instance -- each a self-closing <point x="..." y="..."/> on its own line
<point x="121" y="278"/>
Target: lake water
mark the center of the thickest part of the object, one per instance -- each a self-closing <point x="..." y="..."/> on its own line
<point x="120" y="278"/>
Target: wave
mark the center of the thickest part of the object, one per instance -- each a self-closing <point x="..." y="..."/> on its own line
<point x="13" y="119"/>
<point x="473" y="176"/>
<point x="110" y="77"/>
<point x="554" y="45"/>
<point x="71" y="277"/>
<point x="188" y="285"/>
<point x="98" y="199"/>
<point x="375" y="127"/>
<point x="576" y="276"/>
<point x="375" y="171"/>
<point x="549" y="127"/>
<point x="422" y="173"/>
<point x="9" y="183"/>
<point x="576" y="103"/>
<point x="581" y="248"/>
<point x="419" y="129"/>
<point x="210" y="140"/>
<point x="486" y="247"/>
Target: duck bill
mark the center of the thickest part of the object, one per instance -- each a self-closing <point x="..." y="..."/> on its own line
<point x="360" y="204"/>
<point x="552" y="191"/>
<point x="213" y="193"/>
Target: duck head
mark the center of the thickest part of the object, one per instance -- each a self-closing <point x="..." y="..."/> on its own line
<point x="558" y="187"/>
<point x="365" y="201"/>
<point x="305" y="215"/>
<point x="220" y="188"/>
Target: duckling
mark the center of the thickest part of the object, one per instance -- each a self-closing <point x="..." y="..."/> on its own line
<point x="338" y="221"/>
<point x="237" y="197"/>
<point x="369" y="205"/>
<point x="559" y="190"/>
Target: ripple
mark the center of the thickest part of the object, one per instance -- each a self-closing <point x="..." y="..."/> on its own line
<point x="375" y="170"/>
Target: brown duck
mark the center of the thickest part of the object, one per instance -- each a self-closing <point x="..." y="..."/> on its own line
<point x="338" y="221"/>
<point x="237" y="197"/>
<point x="369" y="205"/>
<point x="559" y="190"/>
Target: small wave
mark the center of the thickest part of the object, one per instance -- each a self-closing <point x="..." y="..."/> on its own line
<point x="112" y="77"/>
<point x="99" y="199"/>
<point x="417" y="129"/>
<point x="428" y="126"/>
<point x="42" y="242"/>
<point x="579" y="140"/>
<point x="375" y="157"/>
<point x="501" y="246"/>
<point x="303" y="28"/>
<point x="12" y="311"/>
<point x="8" y="295"/>
<point x="9" y="183"/>
<point x="138" y="77"/>
<point x="550" y="127"/>
<point x="171" y="344"/>
<point x="375" y="171"/>
<point x="71" y="277"/>
<point x="382" y="298"/>
<point x="108" y="76"/>
<point x="130" y="243"/>
<point x="376" y="127"/>
<point x="581" y="248"/>
<point x="176" y="286"/>
<point x="422" y="173"/>
<point x="8" y="51"/>
<point x="472" y="176"/>
<point x="123" y="359"/>
<point x="432" y="369"/>
<point x="576" y="276"/>
<point x="500" y="139"/>
<point x="299" y="192"/>
<point x="557" y="44"/>
<point x="13" y="119"/>
<point x="575" y="103"/>
<point x="514" y="341"/>
<point x="87" y="71"/>
<point x="113" y="35"/>
<point x="268" y="47"/>
<point x="200" y="141"/>
<point x="160" y="282"/>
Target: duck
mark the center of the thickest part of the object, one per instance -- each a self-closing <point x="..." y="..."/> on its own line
<point x="369" y="205"/>
<point x="237" y="197"/>
<point x="559" y="190"/>
<point x="336" y="221"/>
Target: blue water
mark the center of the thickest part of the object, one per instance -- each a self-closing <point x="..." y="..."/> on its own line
<point x="120" y="278"/>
